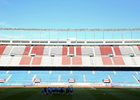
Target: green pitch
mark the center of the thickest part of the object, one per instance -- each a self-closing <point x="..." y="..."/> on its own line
<point x="79" y="94"/>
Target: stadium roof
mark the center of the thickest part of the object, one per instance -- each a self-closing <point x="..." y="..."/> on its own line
<point x="37" y="29"/>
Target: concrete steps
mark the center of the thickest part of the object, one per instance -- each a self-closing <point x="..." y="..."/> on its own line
<point x="137" y="72"/>
<point x="33" y="78"/>
<point x="50" y="72"/>
<point x="31" y="60"/>
<point x="93" y="72"/>
<point x="84" y="76"/>
<point x="59" y="78"/>
<point x="113" y="51"/>
<point x="134" y="61"/>
<point x="114" y="72"/>
<point x="30" y="50"/>
<point x="136" y="78"/>
<point x="29" y="72"/>
<point x="71" y="72"/>
<point x="8" y="77"/>
<point x="7" y="72"/>
<point x="110" y="78"/>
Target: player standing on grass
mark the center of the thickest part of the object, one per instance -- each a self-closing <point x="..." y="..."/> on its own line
<point x="45" y="90"/>
<point x="42" y="91"/>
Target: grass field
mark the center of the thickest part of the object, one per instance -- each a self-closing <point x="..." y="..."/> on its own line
<point x="25" y="93"/>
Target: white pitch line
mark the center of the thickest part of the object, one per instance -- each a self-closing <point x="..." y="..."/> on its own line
<point x="93" y="88"/>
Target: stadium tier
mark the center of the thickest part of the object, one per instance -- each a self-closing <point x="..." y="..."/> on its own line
<point x="70" y="61"/>
<point x="62" y="76"/>
<point x="69" y="55"/>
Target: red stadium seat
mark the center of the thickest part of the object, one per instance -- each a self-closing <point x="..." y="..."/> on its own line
<point x="139" y="47"/>
<point x="25" y="61"/>
<point x="36" y="60"/>
<point x="71" y="50"/>
<point x="78" y="50"/>
<point x="26" y="51"/>
<point x="117" y="50"/>
<point x="64" y="50"/>
<point x="38" y="50"/>
<point x="106" y="60"/>
<point x="118" y="61"/>
<point x="65" y="60"/>
<point x="105" y="50"/>
<point x="2" y="48"/>
<point x="76" y="60"/>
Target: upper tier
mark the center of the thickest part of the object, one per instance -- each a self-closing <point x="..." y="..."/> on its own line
<point x="61" y="56"/>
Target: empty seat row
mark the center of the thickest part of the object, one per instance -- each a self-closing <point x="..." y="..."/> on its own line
<point x="65" y="50"/>
<point x="39" y="60"/>
<point x="84" y="72"/>
<point x="64" y="75"/>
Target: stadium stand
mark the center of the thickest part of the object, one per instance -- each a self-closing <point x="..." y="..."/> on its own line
<point x="78" y="50"/>
<point x="18" y="72"/>
<point x="96" y="78"/>
<point x="97" y="61"/>
<point x="21" y="78"/>
<point x="46" y="50"/>
<point x="76" y="60"/>
<point x="45" y="76"/>
<point x="97" y="51"/>
<point x="7" y="50"/>
<point x="38" y="50"/>
<point x="25" y="60"/>
<point x="26" y="51"/>
<point x="64" y="51"/>
<point x="137" y="76"/>
<point x="36" y="61"/>
<point x="128" y="61"/>
<point x="117" y="50"/>
<point x="103" y="72"/>
<point x="66" y="61"/>
<point x="71" y="50"/>
<point x="4" y="76"/>
<point x="137" y="60"/>
<point x="56" y="61"/>
<point x="106" y="60"/>
<point x="18" y="50"/>
<point x="81" y="58"/>
<point x="57" y="50"/>
<point x="82" y="72"/>
<point x="46" y="60"/>
<point x="136" y="50"/>
<point x="125" y="50"/>
<point x="118" y="61"/>
<point x="139" y="47"/>
<point x="117" y="78"/>
<point x="2" y="48"/>
<point x="87" y="61"/>
<point x="48" y="77"/>
<point x="15" y="60"/>
<point x="51" y="61"/>
<point x="85" y="51"/>
<point x="5" y="60"/>
<point x="3" y="71"/>
<point x="39" y="72"/>
<point x="60" y="72"/>
<point x="126" y="72"/>
<point x="105" y="50"/>
<point x="77" y="77"/>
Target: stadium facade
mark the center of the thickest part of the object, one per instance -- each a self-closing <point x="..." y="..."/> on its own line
<point x="69" y="61"/>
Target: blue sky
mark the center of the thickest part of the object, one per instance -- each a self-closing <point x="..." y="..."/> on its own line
<point x="70" y="13"/>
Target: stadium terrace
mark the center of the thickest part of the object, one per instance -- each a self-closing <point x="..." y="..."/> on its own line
<point x="69" y="57"/>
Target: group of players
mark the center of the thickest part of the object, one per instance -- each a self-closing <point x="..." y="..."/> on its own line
<point x="55" y="90"/>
